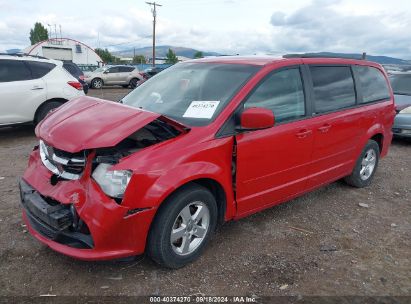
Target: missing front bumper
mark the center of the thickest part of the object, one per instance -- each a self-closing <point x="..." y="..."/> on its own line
<point x="52" y="219"/>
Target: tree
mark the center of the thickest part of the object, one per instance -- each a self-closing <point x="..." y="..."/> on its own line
<point x="198" y="54"/>
<point x="171" y="57"/>
<point x="139" y="59"/>
<point x="105" y="55"/>
<point x="38" y="33"/>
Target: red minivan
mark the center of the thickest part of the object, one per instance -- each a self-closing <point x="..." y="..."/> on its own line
<point x="204" y="142"/>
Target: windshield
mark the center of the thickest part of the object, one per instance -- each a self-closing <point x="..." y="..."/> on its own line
<point x="191" y="93"/>
<point x="401" y="84"/>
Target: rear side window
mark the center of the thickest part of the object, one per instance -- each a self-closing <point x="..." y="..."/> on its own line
<point x="374" y="87"/>
<point x="281" y="92"/>
<point x="40" y="69"/>
<point x="333" y="88"/>
<point x="13" y="70"/>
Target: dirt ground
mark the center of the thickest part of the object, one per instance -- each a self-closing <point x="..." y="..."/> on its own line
<point x="323" y="243"/>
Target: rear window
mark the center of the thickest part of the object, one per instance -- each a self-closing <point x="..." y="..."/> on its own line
<point x="333" y="88"/>
<point x="374" y="87"/>
<point x="40" y="69"/>
<point x="73" y="69"/>
<point x="13" y="70"/>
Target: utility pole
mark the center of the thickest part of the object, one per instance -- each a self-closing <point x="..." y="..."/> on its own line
<point x="154" y="11"/>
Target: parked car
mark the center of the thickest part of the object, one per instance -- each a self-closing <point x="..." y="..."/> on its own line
<point x="31" y="87"/>
<point x="150" y="72"/>
<point x="401" y="85"/>
<point x="75" y="71"/>
<point x="123" y="75"/>
<point x="204" y="142"/>
<point x="87" y="69"/>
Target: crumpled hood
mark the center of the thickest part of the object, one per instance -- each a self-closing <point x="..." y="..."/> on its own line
<point x="86" y="123"/>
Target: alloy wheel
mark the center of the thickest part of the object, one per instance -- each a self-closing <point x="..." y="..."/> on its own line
<point x="368" y="164"/>
<point x="97" y="83"/>
<point x="190" y="228"/>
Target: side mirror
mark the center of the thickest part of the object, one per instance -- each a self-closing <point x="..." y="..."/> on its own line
<point x="106" y="72"/>
<point x="256" y="119"/>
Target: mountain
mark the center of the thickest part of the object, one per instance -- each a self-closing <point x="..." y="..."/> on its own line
<point x="161" y="51"/>
<point x="378" y="59"/>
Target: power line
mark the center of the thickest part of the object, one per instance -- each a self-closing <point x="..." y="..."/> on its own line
<point x="153" y="6"/>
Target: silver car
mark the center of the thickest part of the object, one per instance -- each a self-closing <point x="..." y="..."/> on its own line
<point x="401" y="85"/>
<point x="123" y="75"/>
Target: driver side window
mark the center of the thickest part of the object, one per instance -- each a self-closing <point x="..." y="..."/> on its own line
<point x="283" y="93"/>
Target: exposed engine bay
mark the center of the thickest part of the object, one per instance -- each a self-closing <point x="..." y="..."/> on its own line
<point x="153" y="133"/>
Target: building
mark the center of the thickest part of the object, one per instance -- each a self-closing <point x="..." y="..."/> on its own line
<point x="66" y="49"/>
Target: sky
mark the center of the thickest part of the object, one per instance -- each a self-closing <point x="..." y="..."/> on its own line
<point x="244" y="27"/>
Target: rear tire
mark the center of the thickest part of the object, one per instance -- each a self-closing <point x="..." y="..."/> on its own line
<point x="182" y="227"/>
<point x="45" y="109"/>
<point x="134" y="83"/>
<point x="365" y="167"/>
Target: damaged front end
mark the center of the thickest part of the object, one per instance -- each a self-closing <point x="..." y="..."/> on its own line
<point x="114" y="182"/>
<point x="73" y="198"/>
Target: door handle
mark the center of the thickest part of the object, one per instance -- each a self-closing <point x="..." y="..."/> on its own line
<point x="36" y="87"/>
<point x="303" y="133"/>
<point x="324" y="128"/>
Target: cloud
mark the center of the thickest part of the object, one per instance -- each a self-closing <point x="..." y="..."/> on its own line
<point x="321" y="27"/>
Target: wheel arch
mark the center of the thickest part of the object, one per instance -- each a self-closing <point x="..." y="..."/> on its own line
<point x="379" y="138"/>
<point x="134" y="77"/>
<point x="219" y="194"/>
<point x="216" y="189"/>
<point x="62" y="100"/>
<point x="375" y="132"/>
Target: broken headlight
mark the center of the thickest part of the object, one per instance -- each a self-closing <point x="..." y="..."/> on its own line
<point x="112" y="182"/>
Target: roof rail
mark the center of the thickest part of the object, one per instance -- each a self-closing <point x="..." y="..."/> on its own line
<point x="23" y="55"/>
<point x="363" y="56"/>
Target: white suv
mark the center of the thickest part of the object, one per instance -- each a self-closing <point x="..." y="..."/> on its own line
<point x="30" y="87"/>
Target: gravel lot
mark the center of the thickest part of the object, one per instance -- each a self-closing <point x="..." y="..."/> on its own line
<point x="323" y="243"/>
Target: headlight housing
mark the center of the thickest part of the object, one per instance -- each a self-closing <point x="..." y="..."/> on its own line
<point x="112" y="182"/>
<point x="406" y="111"/>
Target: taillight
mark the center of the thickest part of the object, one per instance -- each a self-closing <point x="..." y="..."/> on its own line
<point x="75" y="84"/>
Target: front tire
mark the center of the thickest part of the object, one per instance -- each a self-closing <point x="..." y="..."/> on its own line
<point x="182" y="227"/>
<point x="97" y="83"/>
<point x="365" y="166"/>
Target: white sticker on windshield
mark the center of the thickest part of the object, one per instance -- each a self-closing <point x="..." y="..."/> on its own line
<point x="201" y="109"/>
